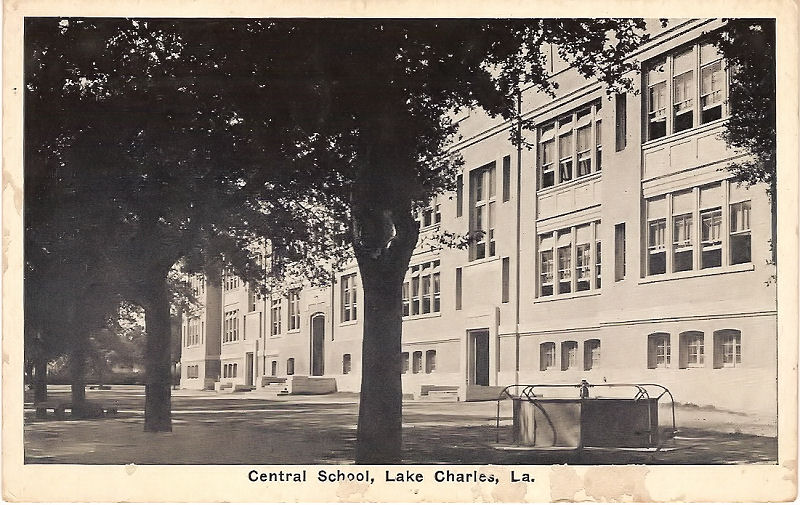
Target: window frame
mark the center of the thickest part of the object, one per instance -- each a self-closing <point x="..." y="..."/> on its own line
<point x="667" y="77"/>
<point x="293" y="309"/>
<point x="349" y="298"/>
<point x="558" y="134"/>
<point x="559" y="260"/>
<point x="483" y="210"/>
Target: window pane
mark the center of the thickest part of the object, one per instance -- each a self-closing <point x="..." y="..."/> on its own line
<point x="683" y="101"/>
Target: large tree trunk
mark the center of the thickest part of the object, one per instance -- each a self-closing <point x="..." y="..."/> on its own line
<point x="77" y="362"/>
<point x="158" y="400"/>
<point x="379" y="437"/>
<point x="40" y="378"/>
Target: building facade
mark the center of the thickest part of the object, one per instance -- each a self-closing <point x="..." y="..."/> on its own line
<point x="617" y="249"/>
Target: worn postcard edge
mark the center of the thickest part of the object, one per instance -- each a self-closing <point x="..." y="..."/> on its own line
<point x="209" y="483"/>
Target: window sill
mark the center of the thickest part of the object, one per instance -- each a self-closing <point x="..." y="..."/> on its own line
<point x="567" y="296"/>
<point x="481" y="261"/>
<point x="743" y="267"/>
<point x="293" y="331"/>
<point x="422" y="316"/>
<point x="349" y="323"/>
<point x="231" y="342"/>
<point x="650" y="144"/>
<point x="574" y="182"/>
<point x="275" y="336"/>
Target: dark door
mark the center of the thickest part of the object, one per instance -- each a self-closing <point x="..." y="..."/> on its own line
<point x="480" y="353"/>
<point x="318" y="345"/>
<point x="248" y="368"/>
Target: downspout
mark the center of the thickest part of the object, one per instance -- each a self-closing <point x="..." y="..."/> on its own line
<point x="519" y="224"/>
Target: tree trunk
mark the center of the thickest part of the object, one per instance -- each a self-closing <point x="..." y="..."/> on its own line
<point x="78" y="372"/>
<point x="40" y="378"/>
<point x="380" y="408"/>
<point x="379" y="437"/>
<point x="158" y="400"/>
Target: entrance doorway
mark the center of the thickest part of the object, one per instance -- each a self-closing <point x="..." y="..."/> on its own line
<point x="318" y="344"/>
<point x="479" y="357"/>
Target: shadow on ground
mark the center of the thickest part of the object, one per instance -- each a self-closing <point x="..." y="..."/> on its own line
<point x="245" y="430"/>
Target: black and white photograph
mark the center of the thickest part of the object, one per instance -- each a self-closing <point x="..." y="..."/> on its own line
<point x="401" y="258"/>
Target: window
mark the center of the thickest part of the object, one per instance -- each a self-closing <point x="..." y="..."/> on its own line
<point x="619" y="251"/>
<point x="192" y="332"/>
<point x="692" y="353"/>
<point x="598" y="155"/>
<point x="346" y="364"/>
<point x="683" y="90"/>
<point x="657" y="100"/>
<point x="682" y="243"/>
<point x="564" y="252"/>
<point x="192" y="371"/>
<point x="740" y="232"/>
<point x="546" y="266"/>
<point x="230" y="370"/>
<point x="290" y="366"/>
<point x="459" y="195"/>
<point x="274" y="369"/>
<point x="583" y="258"/>
<point x="425" y="288"/>
<point x="294" y="309"/>
<point x="275" y="316"/>
<point x="658" y="350"/>
<point x="403" y="362"/>
<point x="565" y="156"/>
<point x="693" y="248"/>
<point x="406" y="300"/>
<point x="591" y="354"/>
<point x="684" y="87"/>
<point x="482" y="191"/>
<point x="569" y="355"/>
<point x="231" y="326"/>
<point x="229" y="280"/>
<point x="711" y="226"/>
<point x="712" y="83"/>
<point x="727" y="348"/>
<point x="598" y="262"/>
<point x="430" y="215"/>
<point x="506" y="178"/>
<point x="656" y="229"/>
<point x="430" y="361"/>
<point x="575" y="268"/>
<point x="505" y="280"/>
<point x="547" y="155"/>
<point x="417" y="362"/>
<point x="458" y="288"/>
<point x="621" y="121"/>
<point x="547" y="355"/>
<point x="349" y="294"/>
<point x="574" y="143"/>
<point x="584" y="150"/>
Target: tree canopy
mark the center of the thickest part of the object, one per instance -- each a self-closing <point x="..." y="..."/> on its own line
<point x="190" y="138"/>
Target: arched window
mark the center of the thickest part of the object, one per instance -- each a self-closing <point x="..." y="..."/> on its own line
<point x="290" y="366"/>
<point x="692" y="349"/>
<point x="547" y="355"/>
<point x="658" y="350"/>
<point x="591" y="354"/>
<point x="727" y="348"/>
<point x="569" y="355"/>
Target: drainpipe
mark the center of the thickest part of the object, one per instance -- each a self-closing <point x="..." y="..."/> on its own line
<point x="519" y="224"/>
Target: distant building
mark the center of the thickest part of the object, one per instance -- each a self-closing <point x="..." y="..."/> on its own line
<point x="616" y="250"/>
